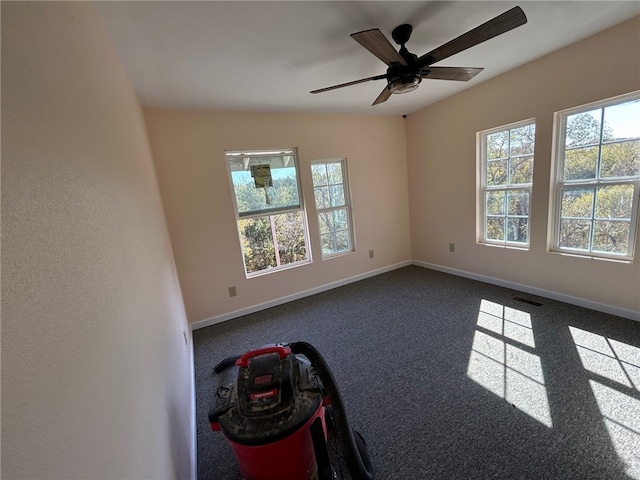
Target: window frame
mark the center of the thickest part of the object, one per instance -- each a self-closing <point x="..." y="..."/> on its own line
<point x="347" y="205"/>
<point x="483" y="188"/>
<point x="269" y="212"/>
<point x="558" y="183"/>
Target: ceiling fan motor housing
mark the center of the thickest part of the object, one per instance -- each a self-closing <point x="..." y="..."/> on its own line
<point x="403" y="79"/>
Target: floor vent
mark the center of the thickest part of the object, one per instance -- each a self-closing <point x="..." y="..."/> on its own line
<point x="526" y="300"/>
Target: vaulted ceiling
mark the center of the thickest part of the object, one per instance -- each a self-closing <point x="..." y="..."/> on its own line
<point x="268" y="56"/>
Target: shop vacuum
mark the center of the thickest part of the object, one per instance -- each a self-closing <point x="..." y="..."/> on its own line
<point x="281" y="411"/>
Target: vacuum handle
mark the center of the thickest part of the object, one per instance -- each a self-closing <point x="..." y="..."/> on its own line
<point x="282" y="351"/>
<point x="226" y="363"/>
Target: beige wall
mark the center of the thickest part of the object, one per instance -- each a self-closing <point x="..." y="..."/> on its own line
<point x="96" y="376"/>
<point x="188" y="149"/>
<point x="442" y="168"/>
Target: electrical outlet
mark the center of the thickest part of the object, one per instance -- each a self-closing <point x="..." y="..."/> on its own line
<point x="370" y="253"/>
<point x="232" y="291"/>
<point x="452" y="247"/>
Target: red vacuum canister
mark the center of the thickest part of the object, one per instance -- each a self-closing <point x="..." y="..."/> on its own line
<point x="277" y="406"/>
<point x="271" y="410"/>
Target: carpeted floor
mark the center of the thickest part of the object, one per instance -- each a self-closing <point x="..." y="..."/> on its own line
<point x="450" y="378"/>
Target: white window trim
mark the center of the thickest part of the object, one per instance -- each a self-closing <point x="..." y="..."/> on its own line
<point x="556" y="184"/>
<point x="348" y="205"/>
<point x="481" y="226"/>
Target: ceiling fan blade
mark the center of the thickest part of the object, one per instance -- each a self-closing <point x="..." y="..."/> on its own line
<point x="501" y="24"/>
<point x="383" y="97"/>
<point x="374" y="41"/>
<point x="355" y="82"/>
<point x="463" y="74"/>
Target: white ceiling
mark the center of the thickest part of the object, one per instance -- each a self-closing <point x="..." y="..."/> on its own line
<point x="267" y="56"/>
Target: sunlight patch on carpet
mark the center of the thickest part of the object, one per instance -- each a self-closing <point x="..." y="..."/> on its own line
<point x="619" y="363"/>
<point x="511" y="372"/>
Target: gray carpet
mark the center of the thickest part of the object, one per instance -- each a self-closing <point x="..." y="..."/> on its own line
<point x="450" y="378"/>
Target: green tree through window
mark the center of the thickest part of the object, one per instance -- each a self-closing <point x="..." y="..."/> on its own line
<point x="269" y="211"/>
<point x="598" y="178"/>
<point x="331" y="193"/>
<point x="506" y="161"/>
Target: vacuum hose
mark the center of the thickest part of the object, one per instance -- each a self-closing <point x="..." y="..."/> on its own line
<point x="353" y="448"/>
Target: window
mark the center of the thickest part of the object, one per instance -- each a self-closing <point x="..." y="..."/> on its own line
<point x="506" y="171"/>
<point x="269" y="210"/>
<point x="597" y="178"/>
<point x="331" y="192"/>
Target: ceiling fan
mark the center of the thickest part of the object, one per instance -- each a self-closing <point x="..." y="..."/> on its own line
<point x="406" y="70"/>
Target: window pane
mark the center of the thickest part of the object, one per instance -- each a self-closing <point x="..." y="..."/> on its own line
<point x="333" y="220"/>
<point x="575" y="233"/>
<point x="334" y="232"/>
<point x="319" y="174"/>
<point x="622" y="121"/>
<point x="621" y="159"/>
<point x="518" y="202"/>
<point x="580" y="163"/>
<point x="611" y="237"/>
<point x="495" y="228"/>
<point x="322" y="197"/>
<point x="577" y="203"/>
<point x="521" y="171"/>
<point x="289" y="230"/>
<point x="337" y="195"/>
<point x="325" y="221"/>
<point x="334" y="172"/>
<point x="340" y="219"/>
<point x="260" y="235"/>
<point x="257" y="243"/>
<point x="583" y="128"/>
<point x="495" y="203"/>
<point x="248" y="197"/>
<point x="328" y="246"/>
<point x="614" y="201"/>
<point x="342" y="241"/>
<point x="518" y="230"/>
<point x="284" y="192"/>
<point x="252" y="198"/>
<point x="523" y="140"/>
<point x="497" y="172"/>
<point x="498" y="145"/>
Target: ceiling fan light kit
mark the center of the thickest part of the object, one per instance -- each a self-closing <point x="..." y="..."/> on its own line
<point x="404" y="84"/>
<point x="406" y="70"/>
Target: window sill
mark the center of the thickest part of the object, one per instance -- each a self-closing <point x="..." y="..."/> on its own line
<point x="624" y="260"/>
<point x="268" y="271"/>
<point x="337" y="255"/>
<point x="508" y="246"/>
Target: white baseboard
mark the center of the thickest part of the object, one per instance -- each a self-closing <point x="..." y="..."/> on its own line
<point x="289" y="298"/>
<point x="581" y="302"/>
